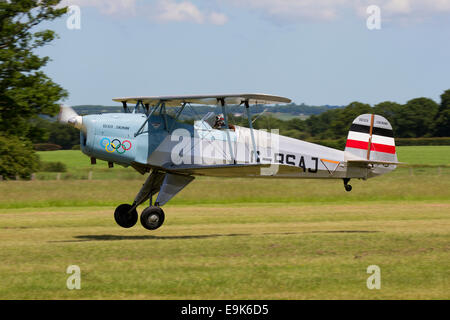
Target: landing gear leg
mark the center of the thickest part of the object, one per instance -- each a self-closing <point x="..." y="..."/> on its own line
<point x="347" y="187"/>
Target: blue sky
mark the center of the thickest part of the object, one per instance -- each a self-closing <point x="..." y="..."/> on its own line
<point x="317" y="52"/>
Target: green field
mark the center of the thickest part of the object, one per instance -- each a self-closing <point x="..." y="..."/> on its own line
<point x="231" y="238"/>
<point x="79" y="165"/>
<point x="425" y="155"/>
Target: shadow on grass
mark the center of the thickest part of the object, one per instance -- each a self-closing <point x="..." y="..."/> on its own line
<point x="344" y="231"/>
<point x="110" y="237"/>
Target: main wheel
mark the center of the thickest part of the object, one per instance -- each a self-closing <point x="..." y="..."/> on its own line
<point x="124" y="217"/>
<point x="348" y="188"/>
<point x="152" y="218"/>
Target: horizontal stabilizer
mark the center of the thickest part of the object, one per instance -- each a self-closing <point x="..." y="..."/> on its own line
<point x="362" y="161"/>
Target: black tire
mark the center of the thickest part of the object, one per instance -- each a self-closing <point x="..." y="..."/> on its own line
<point x="152" y="218"/>
<point x="348" y="188"/>
<point x="124" y="218"/>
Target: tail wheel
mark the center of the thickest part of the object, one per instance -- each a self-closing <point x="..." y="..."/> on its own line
<point x="347" y="187"/>
<point x="124" y="217"/>
<point x="152" y="218"/>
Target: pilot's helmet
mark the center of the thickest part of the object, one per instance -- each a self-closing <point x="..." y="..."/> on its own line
<point x="220" y="117"/>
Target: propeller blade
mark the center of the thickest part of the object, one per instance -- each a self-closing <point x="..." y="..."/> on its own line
<point x="68" y="116"/>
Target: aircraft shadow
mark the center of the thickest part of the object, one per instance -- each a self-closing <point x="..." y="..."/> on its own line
<point x="344" y="231"/>
<point x="110" y="237"/>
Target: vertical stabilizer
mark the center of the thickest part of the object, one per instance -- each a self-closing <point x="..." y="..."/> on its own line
<point x="371" y="138"/>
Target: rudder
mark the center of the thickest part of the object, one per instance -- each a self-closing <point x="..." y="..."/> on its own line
<point x="371" y="138"/>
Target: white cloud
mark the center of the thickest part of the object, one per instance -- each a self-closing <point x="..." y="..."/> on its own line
<point x="441" y="5"/>
<point x="108" y="7"/>
<point x="159" y="10"/>
<point x="294" y="9"/>
<point x="412" y="11"/>
<point x="186" y="11"/>
<point x="182" y="11"/>
<point x="398" y="6"/>
<point x="281" y="11"/>
<point x="298" y="10"/>
<point x="217" y="18"/>
<point x="413" y="7"/>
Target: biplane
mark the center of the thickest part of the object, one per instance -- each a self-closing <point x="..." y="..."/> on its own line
<point x="149" y="137"/>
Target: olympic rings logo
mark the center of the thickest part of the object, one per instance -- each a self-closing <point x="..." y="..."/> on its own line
<point x="115" y="145"/>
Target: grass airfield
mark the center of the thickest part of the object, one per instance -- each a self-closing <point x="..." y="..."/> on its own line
<point x="231" y="239"/>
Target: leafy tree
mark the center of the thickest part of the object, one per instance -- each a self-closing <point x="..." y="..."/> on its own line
<point x="54" y="133"/>
<point x="389" y="110"/>
<point x="63" y="135"/>
<point x="268" y="122"/>
<point x="341" y="124"/>
<point x="415" y="119"/>
<point x="25" y="91"/>
<point x="442" y="122"/>
<point x="17" y="158"/>
<point x="317" y="126"/>
<point x="296" y="124"/>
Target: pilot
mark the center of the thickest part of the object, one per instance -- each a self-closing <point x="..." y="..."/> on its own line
<point x="220" y="122"/>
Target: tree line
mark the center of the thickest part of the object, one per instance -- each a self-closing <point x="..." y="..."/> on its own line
<point x="417" y="118"/>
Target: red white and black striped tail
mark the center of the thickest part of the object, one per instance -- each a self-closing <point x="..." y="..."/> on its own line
<point x="371" y="138"/>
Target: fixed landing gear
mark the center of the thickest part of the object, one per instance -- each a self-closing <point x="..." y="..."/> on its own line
<point x="347" y="187"/>
<point x="126" y="216"/>
<point x="152" y="217"/>
<point x="167" y="185"/>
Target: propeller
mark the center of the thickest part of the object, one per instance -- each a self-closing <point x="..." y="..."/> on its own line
<point x="68" y="116"/>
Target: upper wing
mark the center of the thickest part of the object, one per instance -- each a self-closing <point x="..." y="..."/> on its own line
<point x="174" y="101"/>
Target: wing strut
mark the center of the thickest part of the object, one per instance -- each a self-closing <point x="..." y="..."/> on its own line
<point x="138" y="104"/>
<point x="250" y="125"/>
<point x="224" y="111"/>
<point x="125" y="107"/>
<point x="177" y="116"/>
<point x="164" y="114"/>
<point x="146" y="120"/>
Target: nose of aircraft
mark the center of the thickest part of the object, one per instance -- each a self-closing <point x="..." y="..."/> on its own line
<point x="68" y="116"/>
